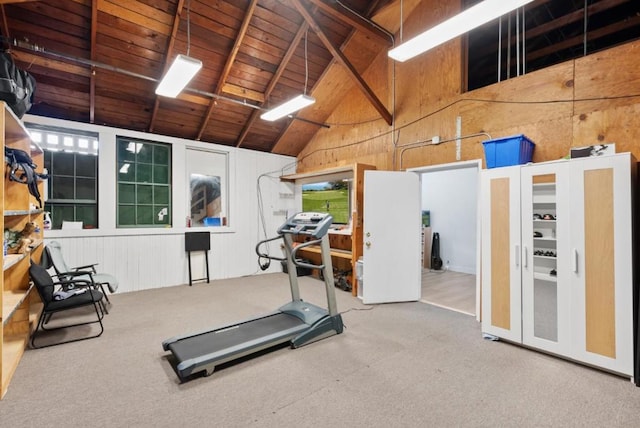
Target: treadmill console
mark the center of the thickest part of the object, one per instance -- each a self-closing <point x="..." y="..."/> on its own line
<point x="307" y="223"/>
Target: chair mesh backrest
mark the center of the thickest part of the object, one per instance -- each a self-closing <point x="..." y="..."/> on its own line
<point x="55" y="256"/>
<point x="42" y="281"/>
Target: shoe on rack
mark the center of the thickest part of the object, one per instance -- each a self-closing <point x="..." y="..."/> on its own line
<point x="537" y="234"/>
<point x="548" y="217"/>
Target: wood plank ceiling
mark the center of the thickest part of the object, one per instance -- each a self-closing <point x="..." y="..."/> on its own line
<point x="98" y="61"/>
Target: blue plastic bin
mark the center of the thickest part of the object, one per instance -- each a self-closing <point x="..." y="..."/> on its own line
<point x="507" y="151"/>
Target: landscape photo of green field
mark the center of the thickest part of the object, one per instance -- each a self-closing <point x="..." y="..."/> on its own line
<point x="328" y="198"/>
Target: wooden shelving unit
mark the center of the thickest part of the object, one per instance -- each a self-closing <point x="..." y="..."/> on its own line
<point x="19" y="302"/>
<point x="346" y="247"/>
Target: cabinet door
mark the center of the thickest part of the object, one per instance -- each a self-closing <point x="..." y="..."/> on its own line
<point x="601" y="262"/>
<point x="501" y="267"/>
<point x="546" y="290"/>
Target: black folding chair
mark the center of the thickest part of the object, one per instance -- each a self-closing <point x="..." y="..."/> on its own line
<point x="63" y="296"/>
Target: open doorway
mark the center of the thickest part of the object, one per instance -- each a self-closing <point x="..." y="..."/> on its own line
<point x="449" y="200"/>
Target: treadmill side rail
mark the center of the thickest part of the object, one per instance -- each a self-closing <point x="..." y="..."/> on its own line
<point x="326" y="327"/>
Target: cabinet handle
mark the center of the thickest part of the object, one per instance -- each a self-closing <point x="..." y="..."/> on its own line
<point x="574" y="261"/>
<point x="517" y="255"/>
<point x="525" y="257"/>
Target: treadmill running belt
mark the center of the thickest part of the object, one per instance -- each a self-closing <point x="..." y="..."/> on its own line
<point x="217" y="340"/>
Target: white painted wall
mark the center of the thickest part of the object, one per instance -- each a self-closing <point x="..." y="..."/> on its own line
<point x="451" y="196"/>
<point x="145" y="258"/>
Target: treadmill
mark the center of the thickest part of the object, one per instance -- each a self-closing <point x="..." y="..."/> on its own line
<point x="297" y="322"/>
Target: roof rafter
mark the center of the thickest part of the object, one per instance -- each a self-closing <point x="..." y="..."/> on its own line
<point x="353" y="20"/>
<point x="92" y="78"/>
<point x="276" y="76"/>
<point x="229" y="63"/>
<point x="342" y="59"/>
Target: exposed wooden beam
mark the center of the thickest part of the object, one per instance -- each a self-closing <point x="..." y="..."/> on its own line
<point x="579" y="39"/>
<point x="339" y="56"/>
<point x="336" y="11"/>
<point x="229" y="63"/>
<point x="5" y="26"/>
<point x="172" y="41"/>
<point x="239" y="91"/>
<point x="52" y="64"/>
<point x="92" y="79"/>
<point x="276" y="76"/>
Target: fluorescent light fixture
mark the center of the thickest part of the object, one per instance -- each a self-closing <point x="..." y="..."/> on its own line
<point x="285" y="109"/>
<point x="467" y="20"/>
<point x="180" y="73"/>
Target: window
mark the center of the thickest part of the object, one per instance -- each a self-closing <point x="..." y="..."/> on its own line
<point x="144" y="183"/>
<point x="546" y="33"/>
<point x="71" y="159"/>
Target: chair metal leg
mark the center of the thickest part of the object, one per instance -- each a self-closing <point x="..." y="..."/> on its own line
<point x="40" y="326"/>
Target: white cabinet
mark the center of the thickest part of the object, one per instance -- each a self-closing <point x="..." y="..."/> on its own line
<point x="563" y="280"/>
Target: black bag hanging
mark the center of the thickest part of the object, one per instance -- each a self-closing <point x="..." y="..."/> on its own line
<point x="17" y="86"/>
<point x="18" y="159"/>
<point x="436" y="261"/>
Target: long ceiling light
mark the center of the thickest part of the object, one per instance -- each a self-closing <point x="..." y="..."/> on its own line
<point x="180" y="73"/>
<point x="182" y="70"/>
<point x="294" y="104"/>
<point x="286" y="108"/>
<point x="465" y="21"/>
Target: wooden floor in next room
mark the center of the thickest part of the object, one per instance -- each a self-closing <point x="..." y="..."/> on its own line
<point x="451" y="290"/>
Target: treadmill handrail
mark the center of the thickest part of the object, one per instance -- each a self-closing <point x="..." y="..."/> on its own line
<point x="265" y="255"/>
<point x="295" y="249"/>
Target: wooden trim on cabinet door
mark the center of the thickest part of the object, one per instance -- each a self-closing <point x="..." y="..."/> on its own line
<point x="500" y="254"/>
<point x="599" y="262"/>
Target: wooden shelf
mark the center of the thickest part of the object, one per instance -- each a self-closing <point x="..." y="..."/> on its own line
<point x="10" y="260"/>
<point x="315" y="249"/>
<point x="11" y="300"/>
<point x="349" y="238"/>
<point x="13" y="347"/>
<point x="19" y="306"/>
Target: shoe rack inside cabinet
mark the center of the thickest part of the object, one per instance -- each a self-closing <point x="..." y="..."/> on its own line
<point x="19" y="302"/>
<point x="545" y="257"/>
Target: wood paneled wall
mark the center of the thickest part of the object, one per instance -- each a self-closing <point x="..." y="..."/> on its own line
<point x="576" y="103"/>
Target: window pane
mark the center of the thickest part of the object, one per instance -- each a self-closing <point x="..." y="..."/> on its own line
<point x="145" y="214"/>
<point x="60" y="213"/>
<point x="63" y="163"/>
<point x="88" y="215"/>
<point x="126" y="215"/>
<point x="127" y="193"/>
<point x="86" y="165"/>
<point x="144" y="174"/>
<point x="145" y="154"/>
<point x="85" y="188"/>
<point x="62" y="188"/>
<point x="126" y="171"/>
<point x="126" y="152"/>
<point x="161" y="174"/>
<point x="161" y="194"/>
<point x="145" y="194"/>
<point x="160" y="217"/>
<point x="161" y="155"/>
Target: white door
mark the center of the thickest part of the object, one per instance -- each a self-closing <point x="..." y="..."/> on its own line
<point x="391" y="238"/>
<point x="501" y="253"/>
<point x="602" y="262"/>
<point x="546" y="281"/>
